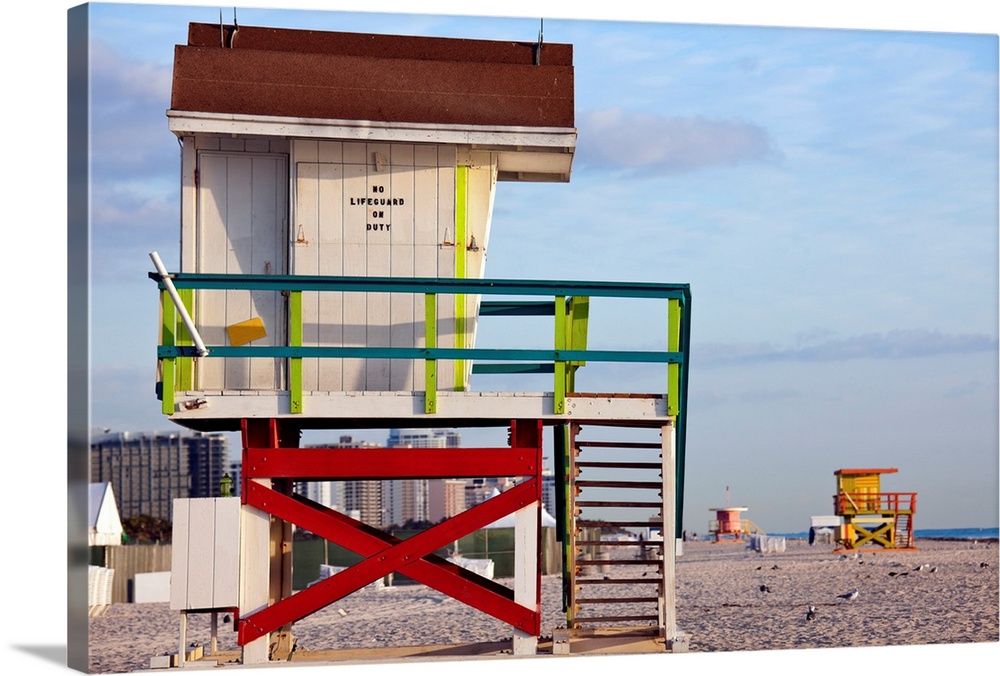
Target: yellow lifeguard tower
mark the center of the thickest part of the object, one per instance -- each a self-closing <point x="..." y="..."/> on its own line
<point x="871" y="517"/>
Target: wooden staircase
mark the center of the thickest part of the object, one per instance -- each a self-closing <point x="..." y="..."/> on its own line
<point x="903" y="536"/>
<point x="615" y="492"/>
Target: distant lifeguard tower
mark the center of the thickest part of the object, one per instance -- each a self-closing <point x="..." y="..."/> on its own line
<point x="337" y="192"/>
<point x="729" y="524"/>
<point x="871" y="517"/>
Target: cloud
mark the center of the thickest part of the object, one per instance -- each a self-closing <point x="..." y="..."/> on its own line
<point x="902" y="344"/>
<point x="646" y="143"/>
<point x="129" y="99"/>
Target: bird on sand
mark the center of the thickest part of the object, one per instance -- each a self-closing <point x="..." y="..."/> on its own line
<point x="764" y="588"/>
<point x="811" y="613"/>
<point x="850" y="596"/>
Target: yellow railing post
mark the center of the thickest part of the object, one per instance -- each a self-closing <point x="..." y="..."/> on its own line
<point x="559" y="399"/>
<point x="168" y="365"/>
<point x="295" y="393"/>
<point x="673" y="345"/>
<point x="430" y="341"/>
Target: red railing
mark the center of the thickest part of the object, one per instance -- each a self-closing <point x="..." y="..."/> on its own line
<point x="874" y="503"/>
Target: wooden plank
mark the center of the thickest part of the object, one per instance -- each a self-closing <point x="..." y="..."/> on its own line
<point x="355" y="262"/>
<point x="179" y="553"/>
<point x="305" y="250"/>
<point x="330" y="250"/>
<point x="212" y="248"/>
<point x="447" y="175"/>
<point x="268" y="232"/>
<point x="227" y="553"/>
<point x="239" y="257"/>
<point x="255" y="578"/>
<point x="404" y="331"/>
<point x="201" y="558"/>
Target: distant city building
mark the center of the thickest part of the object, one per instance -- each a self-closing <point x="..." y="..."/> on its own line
<point x="147" y="470"/>
<point x="424" y="438"/>
<point x="361" y="499"/>
<point x="478" y="490"/>
<point x="445" y="499"/>
<point x="409" y="500"/>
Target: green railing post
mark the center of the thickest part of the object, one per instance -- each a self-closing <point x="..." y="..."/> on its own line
<point x="185" y="367"/>
<point x="168" y="365"/>
<point x="295" y="399"/>
<point x="673" y="345"/>
<point x="579" y="314"/>
<point x="559" y="400"/>
<point x="430" y="342"/>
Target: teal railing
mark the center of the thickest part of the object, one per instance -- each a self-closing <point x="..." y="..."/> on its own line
<point x="568" y="302"/>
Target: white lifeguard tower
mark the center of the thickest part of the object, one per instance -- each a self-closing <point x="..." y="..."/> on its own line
<point x="336" y="208"/>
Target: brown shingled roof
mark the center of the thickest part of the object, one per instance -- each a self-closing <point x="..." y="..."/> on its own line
<point x="354" y="76"/>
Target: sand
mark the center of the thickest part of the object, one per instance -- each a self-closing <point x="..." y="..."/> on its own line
<point x="946" y="592"/>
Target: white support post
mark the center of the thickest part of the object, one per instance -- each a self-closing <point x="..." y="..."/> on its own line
<point x="668" y="600"/>
<point x="183" y="646"/>
<point x="255" y="579"/>
<point x="215" y="633"/>
<point x="526" y="571"/>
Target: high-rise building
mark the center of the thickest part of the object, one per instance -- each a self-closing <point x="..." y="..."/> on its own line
<point x="410" y="500"/>
<point x="365" y="500"/>
<point x="445" y="499"/>
<point x="147" y="470"/>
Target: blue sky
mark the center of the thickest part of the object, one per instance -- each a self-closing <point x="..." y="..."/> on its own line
<point x="830" y="195"/>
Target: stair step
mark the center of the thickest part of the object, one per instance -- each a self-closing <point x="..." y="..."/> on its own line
<point x="618" y="523"/>
<point x="619" y="580"/>
<point x="618" y="465"/>
<point x="631" y="599"/>
<point x="619" y="543"/>
<point x="614" y="562"/>
<point x="652" y="485"/>
<point x="619" y="618"/>
<point x="618" y="444"/>
<point x="619" y="503"/>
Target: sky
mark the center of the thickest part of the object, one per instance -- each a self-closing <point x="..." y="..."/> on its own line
<point x="830" y="195"/>
<point x="826" y="180"/>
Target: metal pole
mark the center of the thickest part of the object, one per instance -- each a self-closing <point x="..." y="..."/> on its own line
<point x="185" y="317"/>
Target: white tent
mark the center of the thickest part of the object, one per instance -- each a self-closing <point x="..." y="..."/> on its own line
<point x="508" y="521"/>
<point x="104" y="520"/>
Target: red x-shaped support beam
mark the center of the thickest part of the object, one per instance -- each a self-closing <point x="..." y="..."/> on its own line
<point x="384" y="553"/>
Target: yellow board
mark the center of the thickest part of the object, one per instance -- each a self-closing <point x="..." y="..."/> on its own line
<point x="244" y="332"/>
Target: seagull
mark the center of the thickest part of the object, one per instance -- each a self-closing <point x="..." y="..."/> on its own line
<point x="984" y="565"/>
<point x="811" y="613"/>
<point x="764" y="588"/>
<point x="850" y="596"/>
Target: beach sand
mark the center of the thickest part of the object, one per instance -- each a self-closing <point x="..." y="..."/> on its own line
<point x="952" y="598"/>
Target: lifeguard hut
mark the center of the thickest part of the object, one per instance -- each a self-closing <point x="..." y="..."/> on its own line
<point x="336" y="206"/>
<point x="870" y="516"/>
<point x="728" y="524"/>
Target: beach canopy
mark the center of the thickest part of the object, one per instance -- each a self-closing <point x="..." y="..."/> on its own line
<point x="105" y="521"/>
<point x="508" y="521"/>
